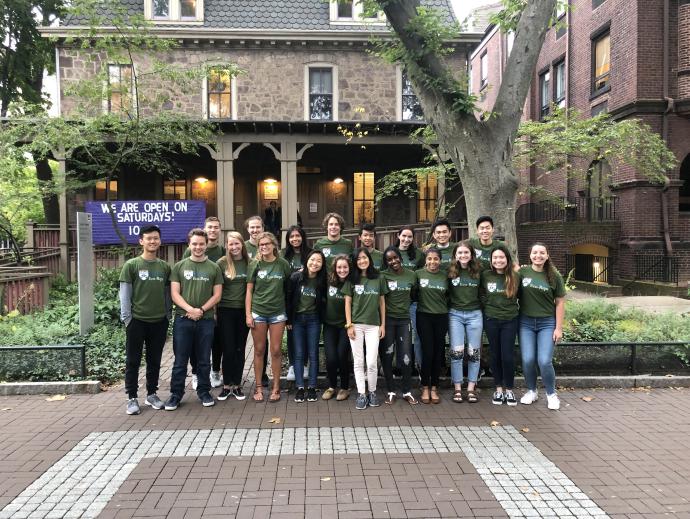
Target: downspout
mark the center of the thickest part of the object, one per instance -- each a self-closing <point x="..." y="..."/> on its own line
<point x="664" y="131"/>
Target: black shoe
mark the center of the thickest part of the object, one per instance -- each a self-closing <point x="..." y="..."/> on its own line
<point x="299" y="396"/>
<point x="498" y="398"/>
<point x="224" y="394"/>
<point x="311" y="394"/>
<point x="237" y="393"/>
<point x="207" y="400"/>
<point x="172" y="403"/>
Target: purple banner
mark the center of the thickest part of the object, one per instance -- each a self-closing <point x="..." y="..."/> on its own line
<point x="174" y="217"/>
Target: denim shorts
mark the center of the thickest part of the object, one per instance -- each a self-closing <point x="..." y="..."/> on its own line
<point x="269" y="319"/>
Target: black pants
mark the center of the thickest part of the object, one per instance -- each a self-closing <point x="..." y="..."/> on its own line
<point x="501" y="336"/>
<point x="337" y="346"/>
<point x="232" y="334"/>
<point x="398" y="339"/>
<point x="153" y="335"/>
<point x="217" y="351"/>
<point x="432" y="330"/>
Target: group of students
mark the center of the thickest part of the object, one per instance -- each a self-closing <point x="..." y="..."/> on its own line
<point x="399" y="304"/>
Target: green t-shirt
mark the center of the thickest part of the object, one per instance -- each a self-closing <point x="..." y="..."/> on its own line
<point x="365" y="299"/>
<point x="214" y="253"/>
<point x="432" y="291"/>
<point x="196" y="279"/>
<point x="148" y="280"/>
<point x="377" y="258"/>
<point x="446" y="255"/>
<point x="415" y="263"/>
<point x="251" y="249"/>
<point x="464" y="292"/>
<point x="268" y="297"/>
<point x="399" y="295"/>
<point x="493" y="296"/>
<point x="537" y="297"/>
<point x="483" y="252"/>
<point x="335" y="306"/>
<point x="295" y="262"/>
<point x="235" y="289"/>
<point x="307" y="297"/>
<point x="331" y="249"/>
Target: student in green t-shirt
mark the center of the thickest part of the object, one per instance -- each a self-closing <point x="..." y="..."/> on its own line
<point x="196" y="285"/>
<point x="367" y="239"/>
<point x="484" y="243"/>
<point x="412" y="259"/>
<point x="365" y="316"/>
<point x="400" y="282"/>
<point x="333" y="243"/>
<point x="431" y="292"/>
<point x="441" y="233"/>
<point x="542" y="310"/>
<point x="145" y="309"/>
<point x="232" y="328"/>
<point x="255" y="226"/>
<point x="498" y="293"/>
<point x="306" y="302"/>
<point x="335" y="339"/>
<point x="464" y="319"/>
<point x="265" y="311"/>
<point x="295" y="253"/>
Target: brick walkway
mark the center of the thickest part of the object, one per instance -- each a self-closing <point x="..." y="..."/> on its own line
<point x="621" y="454"/>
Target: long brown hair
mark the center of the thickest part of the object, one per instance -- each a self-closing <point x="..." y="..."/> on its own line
<point x="333" y="279"/>
<point x="230" y="270"/>
<point x="549" y="269"/>
<point x="510" y="278"/>
<point x="473" y="267"/>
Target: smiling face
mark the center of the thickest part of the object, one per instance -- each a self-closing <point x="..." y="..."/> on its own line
<point x="463" y="255"/>
<point x="393" y="261"/>
<point x="197" y="247"/>
<point x="254" y="228"/>
<point x="406" y="237"/>
<point x="266" y="248"/>
<point x="498" y="260"/>
<point x="234" y="248"/>
<point x="150" y="242"/>
<point x="295" y="239"/>
<point x="212" y="229"/>
<point x="333" y="228"/>
<point x="342" y="269"/>
<point x="362" y="262"/>
<point x="442" y="235"/>
<point x="432" y="262"/>
<point x="314" y="264"/>
<point x="367" y="239"/>
<point x="538" y="255"/>
<point x="485" y="231"/>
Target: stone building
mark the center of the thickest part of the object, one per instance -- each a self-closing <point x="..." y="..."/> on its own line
<point x="308" y="69"/>
<point x="631" y="59"/>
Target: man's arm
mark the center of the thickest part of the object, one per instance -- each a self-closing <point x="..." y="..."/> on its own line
<point x="126" y="302"/>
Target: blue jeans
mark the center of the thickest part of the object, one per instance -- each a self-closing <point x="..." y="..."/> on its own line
<point x="192" y="336"/>
<point x="465" y="326"/>
<point x="501" y="335"/>
<point x="306" y="329"/>
<point x="536" y="348"/>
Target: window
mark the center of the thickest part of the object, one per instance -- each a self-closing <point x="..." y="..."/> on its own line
<point x="427" y="188"/>
<point x="187" y="9"/>
<point x="484" y="70"/>
<point x="559" y="84"/>
<point x="161" y="9"/>
<point x="100" y="190"/>
<point x="597" y="3"/>
<point x="345" y="10"/>
<point x="219" y="94"/>
<point x="352" y="12"/>
<point x="561" y="8"/>
<point x="684" y="191"/>
<point x="601" y="107"/>
<point x="601" y="63"/>
<point x="411" y="109"/>
<point x="363" y="209"/>
<point x="174" y="10"/>
<point x="174" y="189"/>
<point x="120" y="89"/>
<point x="544" y="97"/>
<point x="321" y="94"/>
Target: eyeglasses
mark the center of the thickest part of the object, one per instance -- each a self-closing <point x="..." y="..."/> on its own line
<point x="269" y="244"/>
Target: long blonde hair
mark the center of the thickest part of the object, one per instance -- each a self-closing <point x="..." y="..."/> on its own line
<point x="230" y="270"/>
<point x="274" y="241"/>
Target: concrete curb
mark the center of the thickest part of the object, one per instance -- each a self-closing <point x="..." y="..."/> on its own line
<point x="50" y="388"/>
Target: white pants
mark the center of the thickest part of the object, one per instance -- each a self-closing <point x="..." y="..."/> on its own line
<point x="370" y="334"/>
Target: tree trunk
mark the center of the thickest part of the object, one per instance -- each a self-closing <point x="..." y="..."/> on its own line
<point x="51" y="206"/>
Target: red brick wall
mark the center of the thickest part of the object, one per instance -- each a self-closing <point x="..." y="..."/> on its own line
<point x="683" y="55"/>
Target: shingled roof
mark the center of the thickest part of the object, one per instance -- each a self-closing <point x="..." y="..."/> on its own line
<point x="268" y="15"/>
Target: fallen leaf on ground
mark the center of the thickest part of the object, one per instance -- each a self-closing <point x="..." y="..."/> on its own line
<point x="525" y="429"/>
<point x="275" y="419"/>
<point x="495" y="423"/>
<point x="56" y="398"/>
<point x="6" y="408"/>
<point x="325" y="479"/>
<point x="587" y="398"/>
<point x="669" y="375"/>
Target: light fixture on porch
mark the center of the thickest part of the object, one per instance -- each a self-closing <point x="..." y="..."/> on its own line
<point x="201" y="180"/>
<point x="270" y="180"/>
<point x="595" y="265"/>
<point x="338" y="180"/>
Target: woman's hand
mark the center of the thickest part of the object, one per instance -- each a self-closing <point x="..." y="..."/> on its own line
<point x="288" y="326"/>
<point x="351" y="333"/>
<point x="382" y="332"/>
<point x="557" y="334"/>
<point x="249" y="320"/>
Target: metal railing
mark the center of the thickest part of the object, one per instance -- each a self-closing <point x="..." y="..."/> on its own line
<point x="583" y="209"/>
<point x="656" y="267"/>
<point x="589" y="268"/>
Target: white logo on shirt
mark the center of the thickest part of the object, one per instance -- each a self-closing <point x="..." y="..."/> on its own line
<point x="188" y="274"/>
<point x="332" y="291"/>
<point x="359" y="289"/>
<point x="478" y="253"/>
<point x="392" y="285"/>
<point x="143" y="275"/>
<point x="491" y="287"/>
<point x="526" y="282"/>
<point x="423" y="282"/>
<point x="262" y="274"/>
<point x="327" y="251"/>
<point x="456" y="282"/>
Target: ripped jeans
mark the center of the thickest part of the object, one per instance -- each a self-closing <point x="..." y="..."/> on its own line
<point x="465" y="327"/>
<point x="398" y="337"/>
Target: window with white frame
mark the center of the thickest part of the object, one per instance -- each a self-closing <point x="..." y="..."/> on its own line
<point x="559" y="84"/>
<point x="544" y="97"/>
<point x="120" y="88"/>
<point x="483" y="70"/>
<point x="219" y="93"/>
<point x="411" y="107"/>
<point x="174" y="10"/>
<point x="352" y="12"/>
<point x="321" y="98"/>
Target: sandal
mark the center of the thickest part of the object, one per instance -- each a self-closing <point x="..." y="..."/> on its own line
<point x="275" y="396"/>
<point x="435" y="399"/>
<point x="258" y="394"/>
<point x="457" y="396"/>
<point x="472" y="398"/>
<point x="425" y="395"/>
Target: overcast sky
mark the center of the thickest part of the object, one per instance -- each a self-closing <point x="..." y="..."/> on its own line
<point x="463" y="7"/>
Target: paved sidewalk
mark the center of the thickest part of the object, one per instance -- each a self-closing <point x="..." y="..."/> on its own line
<point x="619" y="454"/>
<point x="653" y="304"/>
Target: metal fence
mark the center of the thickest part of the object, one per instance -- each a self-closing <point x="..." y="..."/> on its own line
<point x="583" y="209"/>
<point x="656" y="267"/>
<point x="587" y="267"/>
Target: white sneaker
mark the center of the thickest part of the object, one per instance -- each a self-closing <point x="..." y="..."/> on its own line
<point x="553" y="402"/>
<point x="306" y="372"/>
<point x="529" y="398"/>
<point x="291" y="373"/>
<point x="195" y="382"/>
<point x="216" y="381"/>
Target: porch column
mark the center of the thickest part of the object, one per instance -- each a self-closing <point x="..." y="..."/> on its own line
<point x="65" y="265"/>
<point x="288" y="182"/>
<point x="225" y="185"/>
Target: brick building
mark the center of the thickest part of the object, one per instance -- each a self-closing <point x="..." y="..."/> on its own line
<point x="631" y="59"/>
<point x="308" y="70"/>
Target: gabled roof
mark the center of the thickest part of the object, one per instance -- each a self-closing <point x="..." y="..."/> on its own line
<point x="479" y="19"/>
<point x="269" y="15"/>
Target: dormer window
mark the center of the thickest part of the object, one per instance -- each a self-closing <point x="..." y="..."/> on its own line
<point x="162" y="11"/>
<point x="348" y="13"/>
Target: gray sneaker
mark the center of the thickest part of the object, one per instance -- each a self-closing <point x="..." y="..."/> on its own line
<point x="216" y="381"/>
<point x="154" y="401"/>
<point x="373" y="399"/>
<point x="361" y="402"/>
<point x="133" y="406"/>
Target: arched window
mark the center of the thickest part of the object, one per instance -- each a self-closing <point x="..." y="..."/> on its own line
<point x="684" y="192"/>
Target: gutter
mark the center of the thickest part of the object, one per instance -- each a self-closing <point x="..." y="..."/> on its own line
<point x="665" y="131"/>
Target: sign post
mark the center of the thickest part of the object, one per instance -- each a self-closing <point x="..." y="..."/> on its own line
<point x="85" y="271"/>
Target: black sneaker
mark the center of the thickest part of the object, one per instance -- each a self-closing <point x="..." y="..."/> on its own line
<point x="172" y="403"/>
<point x="224" y="394"/>
<point x="311" y="394"/>
<point x="299" y="396"/>
<point x="207" y="400"/>
<point x="510" y="398"/>
<point x="497" y="398"/>
<point x="237" y="393"/>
